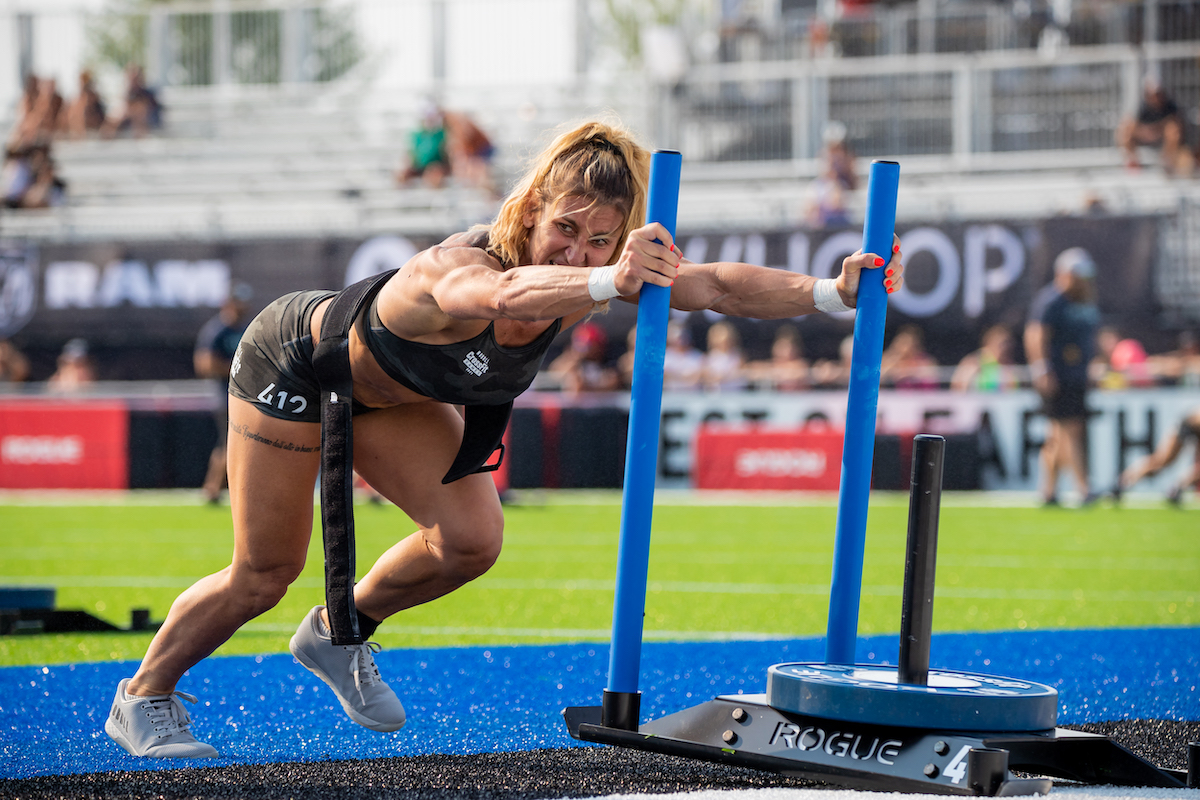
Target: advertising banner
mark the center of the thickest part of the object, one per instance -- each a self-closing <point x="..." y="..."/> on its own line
<point x="961" y="278"/>
<point x="1122" y="427"/>
<point x="51" y="444"/>
<point x="789" y="459"/>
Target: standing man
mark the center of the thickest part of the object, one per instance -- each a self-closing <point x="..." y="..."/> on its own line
<point x="1060" y="340"/>
<point x="216" y="346"/>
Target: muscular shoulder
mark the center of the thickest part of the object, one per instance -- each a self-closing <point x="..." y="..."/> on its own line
<point x="477" y="237"/>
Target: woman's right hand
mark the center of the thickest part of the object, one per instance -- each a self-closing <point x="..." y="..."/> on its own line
<point x="649" y="256"/>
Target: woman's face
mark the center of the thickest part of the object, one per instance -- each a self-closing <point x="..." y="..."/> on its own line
<point x="576" y="232"/>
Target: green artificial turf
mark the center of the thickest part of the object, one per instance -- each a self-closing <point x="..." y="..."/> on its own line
<point x="716" y="571"/>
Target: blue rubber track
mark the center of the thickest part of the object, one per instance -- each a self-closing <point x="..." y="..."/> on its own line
<point x="269" y="709"/>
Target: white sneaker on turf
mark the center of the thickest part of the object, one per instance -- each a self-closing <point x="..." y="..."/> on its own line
<point x="351" y="672"/>
<point x="155" y="726"/>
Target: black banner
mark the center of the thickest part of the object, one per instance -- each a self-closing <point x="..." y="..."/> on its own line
<point x="139" y="303"/>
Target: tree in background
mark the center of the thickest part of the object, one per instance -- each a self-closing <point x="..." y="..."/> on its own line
<point x="120" y="34"/>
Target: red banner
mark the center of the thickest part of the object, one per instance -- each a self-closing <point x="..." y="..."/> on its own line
<point x="759" y="457"/>
<point x="53" y="444"/>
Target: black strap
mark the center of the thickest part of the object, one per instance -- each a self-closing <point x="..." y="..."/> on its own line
<point x="331" y="360"/>
<point x="482" y="434"/>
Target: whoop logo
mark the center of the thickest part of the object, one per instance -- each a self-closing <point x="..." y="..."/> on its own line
<point x="791" y="463"/>
<point x="41" y="450"/>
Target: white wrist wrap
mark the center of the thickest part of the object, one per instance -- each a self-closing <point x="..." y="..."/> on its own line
<point x="826" y="297"/>
<point x="602" y="283"/>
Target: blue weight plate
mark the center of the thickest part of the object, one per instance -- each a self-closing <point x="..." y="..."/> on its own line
<point x="872" y="694"/>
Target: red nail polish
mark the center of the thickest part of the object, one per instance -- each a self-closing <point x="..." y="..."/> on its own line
<point x="895" y="248"/>
<point x="672" y="248"/>
<point x="878" y="261"/>
<point x="890" y="272"/>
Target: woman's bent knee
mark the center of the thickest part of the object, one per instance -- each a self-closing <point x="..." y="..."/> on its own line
<point x="473" y="553"/>
<point x="261" y="590"/>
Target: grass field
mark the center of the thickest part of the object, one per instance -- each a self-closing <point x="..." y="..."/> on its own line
<point x="717" y="571"/>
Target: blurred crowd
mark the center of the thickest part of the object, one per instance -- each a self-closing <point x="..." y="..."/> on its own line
<point x="29" y="177"/>
<point x="592" y="362"/>
<point x="447" y="146"/>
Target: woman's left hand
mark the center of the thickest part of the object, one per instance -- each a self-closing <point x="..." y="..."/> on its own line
<point x="852" y="267"/>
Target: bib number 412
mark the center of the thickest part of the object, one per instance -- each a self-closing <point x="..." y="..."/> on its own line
<point x="281" y="400"/>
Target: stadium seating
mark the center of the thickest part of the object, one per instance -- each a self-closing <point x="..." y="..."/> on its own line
<point x="257" y="162"/>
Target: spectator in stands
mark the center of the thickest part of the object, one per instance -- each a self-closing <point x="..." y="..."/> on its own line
<point x="25" y="111"/>
<point x="469" y="151"/>
<point x="835" y="373"/>
<point x="1060" y="341"/>
<point x="142" y="113"/>
<point x="427" y="155"/>
<point x="16" y="177"/>
<point x="1158" y="123"/>
<point x="625" y="360"/>
<point x="1180" y="366"/>
<point x="14" y="366"/>
<point x="38" y="114"/>
<point x="787" y="370"/>
<point x="86" y="113"/>
<point x="991" y="367"/>
<point x="1163" y="456"/>
<point x="75" y="370"/>
<point x="213" y="357"/>
<point x="683" y="365"/>
<point x="584" y="366"/>
<point x="905" y="364"/>
<point x="724" y="366"/>
<point x="827" y="204"/>
<point x="1120" y="362"/>
<point x="28" y="179"/>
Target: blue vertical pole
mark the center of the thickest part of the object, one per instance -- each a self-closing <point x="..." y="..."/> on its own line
<point x="858" y="447"/>
<point x="620" y="705"/>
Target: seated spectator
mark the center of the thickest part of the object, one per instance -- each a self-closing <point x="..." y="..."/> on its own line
<point x="1180" y="366"/>
<point x="16" y="177"/>
<point x="835" y="373"/>
<point x="838" y="156"/>
<point x="427" y="156"/>
<point x="990" y="368"/>
<point x="584" y="366"/>
<point x="142" y="112"/>
<point x="28" y="179"/>
<point x="787" y="370"/>
<point x="74" y="368"/>
<point x="14" y="366"/>
<point x="827" y="206"/>
<point x="724" y="363"/>
<point x="683" y="365"/>
<point x="86" y="113"/>
<point x="625" y="360"/>
<point x="38" y="114"/>
<point x="905" y="364"/>
<point x="1120" y="362"/>
<point x="469" y="151"/>
<point x="1158" y="123"/>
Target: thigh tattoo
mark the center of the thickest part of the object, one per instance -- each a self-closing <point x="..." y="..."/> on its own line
<point x="244" y="431"/>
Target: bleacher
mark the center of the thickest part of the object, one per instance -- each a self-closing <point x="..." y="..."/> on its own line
<point x="318" y="159"/>
<point x="273" y="165"/>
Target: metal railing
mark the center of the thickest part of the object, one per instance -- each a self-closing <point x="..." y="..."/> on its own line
<point x="948" y="105"/>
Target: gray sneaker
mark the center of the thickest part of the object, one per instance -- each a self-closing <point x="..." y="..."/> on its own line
<point x="351" y="672"/>
<point x="154" y="726"/>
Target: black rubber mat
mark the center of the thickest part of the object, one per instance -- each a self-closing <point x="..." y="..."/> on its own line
<point x="572" y="772"/>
